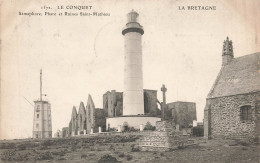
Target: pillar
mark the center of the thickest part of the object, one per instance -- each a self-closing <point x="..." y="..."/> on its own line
<point x="141" y="127"/>
<point x="99" y="129"/>
<point x="119" y="128"/>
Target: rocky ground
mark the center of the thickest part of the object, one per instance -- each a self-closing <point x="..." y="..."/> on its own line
<point x="123" y="149"/>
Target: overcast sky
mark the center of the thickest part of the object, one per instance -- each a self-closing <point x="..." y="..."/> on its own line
<point x="84" y="55"/>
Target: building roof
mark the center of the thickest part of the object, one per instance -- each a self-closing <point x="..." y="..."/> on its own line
<point x="240" y="76"/>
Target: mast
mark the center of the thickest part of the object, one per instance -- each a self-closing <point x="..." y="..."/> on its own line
<point x="41" y="103"/>
<point x="41" y="85"/>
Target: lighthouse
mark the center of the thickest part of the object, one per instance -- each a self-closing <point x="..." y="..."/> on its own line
<point x="133" y="99"/>
<point x="133" y="95"/>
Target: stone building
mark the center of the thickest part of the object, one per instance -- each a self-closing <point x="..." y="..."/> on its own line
<point x="81" y="118"/>
<point x="42" y="123"/>
<point x="65" y="132"/>
<point x="86" y="119"/>
<point x="113" y="103"/>
<point x="90" y="114"/>
<point x="73" y="122"/>
<point x="95" y="117"/>
<point x="233" y="104"/>
<point x="58" y="134"/>
<point x="182" y="113"/>
<point x="42" y="126"/>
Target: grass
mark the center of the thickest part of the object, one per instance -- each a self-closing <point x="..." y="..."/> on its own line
<point x="121" y="154"/>
<point x="129" y="157"/>
<point x="123" y="149"/>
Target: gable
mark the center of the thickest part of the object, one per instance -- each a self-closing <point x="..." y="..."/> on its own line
<point x="240" y="76"/>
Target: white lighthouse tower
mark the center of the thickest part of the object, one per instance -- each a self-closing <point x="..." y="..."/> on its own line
<point x="133" y="100"/>
<point x="133" y="103"/>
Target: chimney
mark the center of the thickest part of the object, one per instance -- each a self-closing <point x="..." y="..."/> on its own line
<point x="227" y="53"/>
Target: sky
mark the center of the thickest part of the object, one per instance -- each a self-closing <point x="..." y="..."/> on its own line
<point x="85" y="55"/>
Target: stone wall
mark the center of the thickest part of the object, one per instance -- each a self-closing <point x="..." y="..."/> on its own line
<point x="90" y="114"/>
<point x="81" y="118"/>
<point x="74" y="120"/>
<point x="42" y="124"/>
<point x="150" y="102"/>
<point x="223" y="117"/>
<point x="100" y="119"/>
<point x="165" y="138"/>
<point x="206" y="121"/>
<point x="131" y="121"/>
<point x="165" y="126"/>
<point x="65" y="132"/>
<point x="113" y="103"/>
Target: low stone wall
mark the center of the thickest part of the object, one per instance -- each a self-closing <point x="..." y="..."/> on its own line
<point x="165" y="138"/>
<point x="162" y="141"/>
<point x="165" y="126"/>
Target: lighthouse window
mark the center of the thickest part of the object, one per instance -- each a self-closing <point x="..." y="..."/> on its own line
<point x="37" y="125"/>
<point x="38" y="108"/>
<point x="37" y="115"/>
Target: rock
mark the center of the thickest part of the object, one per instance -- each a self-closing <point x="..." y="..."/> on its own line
<point x="107" y="158"/>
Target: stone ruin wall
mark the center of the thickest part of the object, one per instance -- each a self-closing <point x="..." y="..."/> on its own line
<point x="100" y="119"/>
<point x="222" y="117"/>
<point x="150" y="102"/>
<point x="113" y="103"/>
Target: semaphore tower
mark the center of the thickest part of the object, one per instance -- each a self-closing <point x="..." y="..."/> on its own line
<point x="42" y="126"/>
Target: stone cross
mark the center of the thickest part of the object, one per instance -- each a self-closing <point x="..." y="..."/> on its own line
<point x="163" y="89"/>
